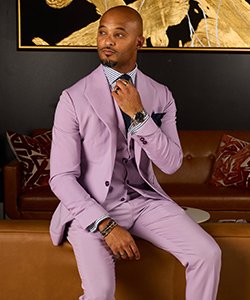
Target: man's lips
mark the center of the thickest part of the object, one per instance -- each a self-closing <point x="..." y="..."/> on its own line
<point x="108" y="51"/>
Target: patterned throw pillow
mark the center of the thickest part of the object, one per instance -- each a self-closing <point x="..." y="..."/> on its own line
<point x="33" y="153"/>
<point x="232" y="164"/>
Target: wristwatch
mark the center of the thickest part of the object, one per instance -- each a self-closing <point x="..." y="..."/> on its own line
<point x="139" y="117"/>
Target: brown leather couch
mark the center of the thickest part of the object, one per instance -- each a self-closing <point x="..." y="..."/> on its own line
<point x="32" y="268"/>
<point x="187" y="186"/>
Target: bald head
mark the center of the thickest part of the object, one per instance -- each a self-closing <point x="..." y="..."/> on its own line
<point x="127" y="14"/>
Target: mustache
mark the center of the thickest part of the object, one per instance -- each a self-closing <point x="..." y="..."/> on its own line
<point x="108" y="48"/>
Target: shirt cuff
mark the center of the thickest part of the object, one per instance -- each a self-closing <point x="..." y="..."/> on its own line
<point x="135" y="128"/>
<point x="94" y="226"/>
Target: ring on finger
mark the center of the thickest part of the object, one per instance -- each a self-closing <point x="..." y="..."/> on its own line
<point x="117" y="256"/>
<point x="123" y="254"/>
<point x="125" y="82"/>
<point x="116" y="90"/>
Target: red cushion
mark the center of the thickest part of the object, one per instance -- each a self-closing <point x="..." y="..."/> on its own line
<point x="232" y="164"/>
<point x="33" y="153"/>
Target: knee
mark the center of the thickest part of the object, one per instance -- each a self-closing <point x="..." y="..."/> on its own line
<point x="214" y="251"/>
<point x="210" y="254"/>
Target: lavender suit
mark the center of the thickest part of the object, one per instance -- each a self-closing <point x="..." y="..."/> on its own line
<point x="88" y="141"/>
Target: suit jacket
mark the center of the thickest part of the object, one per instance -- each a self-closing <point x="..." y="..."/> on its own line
<point x="84" y="147"/>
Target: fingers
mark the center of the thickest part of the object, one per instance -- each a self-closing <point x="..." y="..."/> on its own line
<point x="136" y="252"/>
<point x="117" y="256"/>
<point x="130" y="252"/>
<point x="120" y="86"/>
<point x="116" y="89"/>
<point x="127" y="97"/>
<point x="122" y="82"/>
<point x="122" y="244"/>
<point x="123" y="255"/>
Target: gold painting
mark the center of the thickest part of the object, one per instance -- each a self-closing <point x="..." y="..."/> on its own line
<point x="172" y="24"/>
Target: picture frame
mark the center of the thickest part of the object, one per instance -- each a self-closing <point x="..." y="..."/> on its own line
<point x="168" y="25"/>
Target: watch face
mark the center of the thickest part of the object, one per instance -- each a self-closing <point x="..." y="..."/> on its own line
<point x="139" y="117"/>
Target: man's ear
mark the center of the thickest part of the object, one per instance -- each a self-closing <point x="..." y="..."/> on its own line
<point x="140" y="42"/>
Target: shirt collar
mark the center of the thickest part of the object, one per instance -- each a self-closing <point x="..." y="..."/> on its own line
<point x="112" y="75"/>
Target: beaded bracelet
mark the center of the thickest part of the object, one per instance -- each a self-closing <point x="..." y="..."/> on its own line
<point x="111" y="225"/>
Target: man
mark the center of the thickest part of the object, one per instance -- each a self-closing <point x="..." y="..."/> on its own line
<point x="106" y="132"/>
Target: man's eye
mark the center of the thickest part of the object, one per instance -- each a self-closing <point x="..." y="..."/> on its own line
<point x="119" y="35"/>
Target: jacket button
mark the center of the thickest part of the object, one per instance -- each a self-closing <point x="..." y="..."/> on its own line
<point x="123" y="199"/>
<point x="107" y="183"/>
<point x="144" y="142"/>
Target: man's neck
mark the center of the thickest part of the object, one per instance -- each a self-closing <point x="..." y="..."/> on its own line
<point x="124" y="70"/>
<point x="112" y="75"/>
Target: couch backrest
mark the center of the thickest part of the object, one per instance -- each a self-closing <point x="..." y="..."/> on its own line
<point x="199" y="150"/>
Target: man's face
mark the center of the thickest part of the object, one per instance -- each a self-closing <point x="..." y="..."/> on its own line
<point x="118" y="40"/>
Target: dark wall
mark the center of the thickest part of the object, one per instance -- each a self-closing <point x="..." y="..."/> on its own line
<point x="212" y="89"/>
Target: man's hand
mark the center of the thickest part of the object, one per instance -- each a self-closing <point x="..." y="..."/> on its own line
<point x="127" y="97"/>
<point x="121" y="242"/>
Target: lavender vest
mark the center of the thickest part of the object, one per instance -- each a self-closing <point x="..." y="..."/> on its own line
<point x="126" y="179"/>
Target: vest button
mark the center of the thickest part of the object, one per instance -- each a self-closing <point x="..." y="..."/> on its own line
<point x="107" y="183"/>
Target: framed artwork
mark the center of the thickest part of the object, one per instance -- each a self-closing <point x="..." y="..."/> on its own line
<point x="169" y="25"/>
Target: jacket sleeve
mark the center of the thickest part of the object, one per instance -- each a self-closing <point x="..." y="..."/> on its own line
<point x="161" y="143"/>
<point x="65" y="165"/>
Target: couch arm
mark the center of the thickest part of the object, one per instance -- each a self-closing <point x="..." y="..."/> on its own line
<point x="12" y="188"/>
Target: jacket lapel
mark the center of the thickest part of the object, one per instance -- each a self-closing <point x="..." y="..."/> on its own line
<point x="98" y="94"/>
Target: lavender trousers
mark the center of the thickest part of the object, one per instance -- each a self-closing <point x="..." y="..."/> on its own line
<point x="161" y="222"/>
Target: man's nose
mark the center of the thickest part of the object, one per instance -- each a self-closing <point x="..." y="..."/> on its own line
<point x="110" y="40"/>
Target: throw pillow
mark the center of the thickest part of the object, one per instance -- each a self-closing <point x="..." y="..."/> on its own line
<point x="232" y="163"/>
<point x="33" y="153"/>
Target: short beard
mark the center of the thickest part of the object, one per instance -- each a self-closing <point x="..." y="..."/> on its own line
<point x="108" y="63"/>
